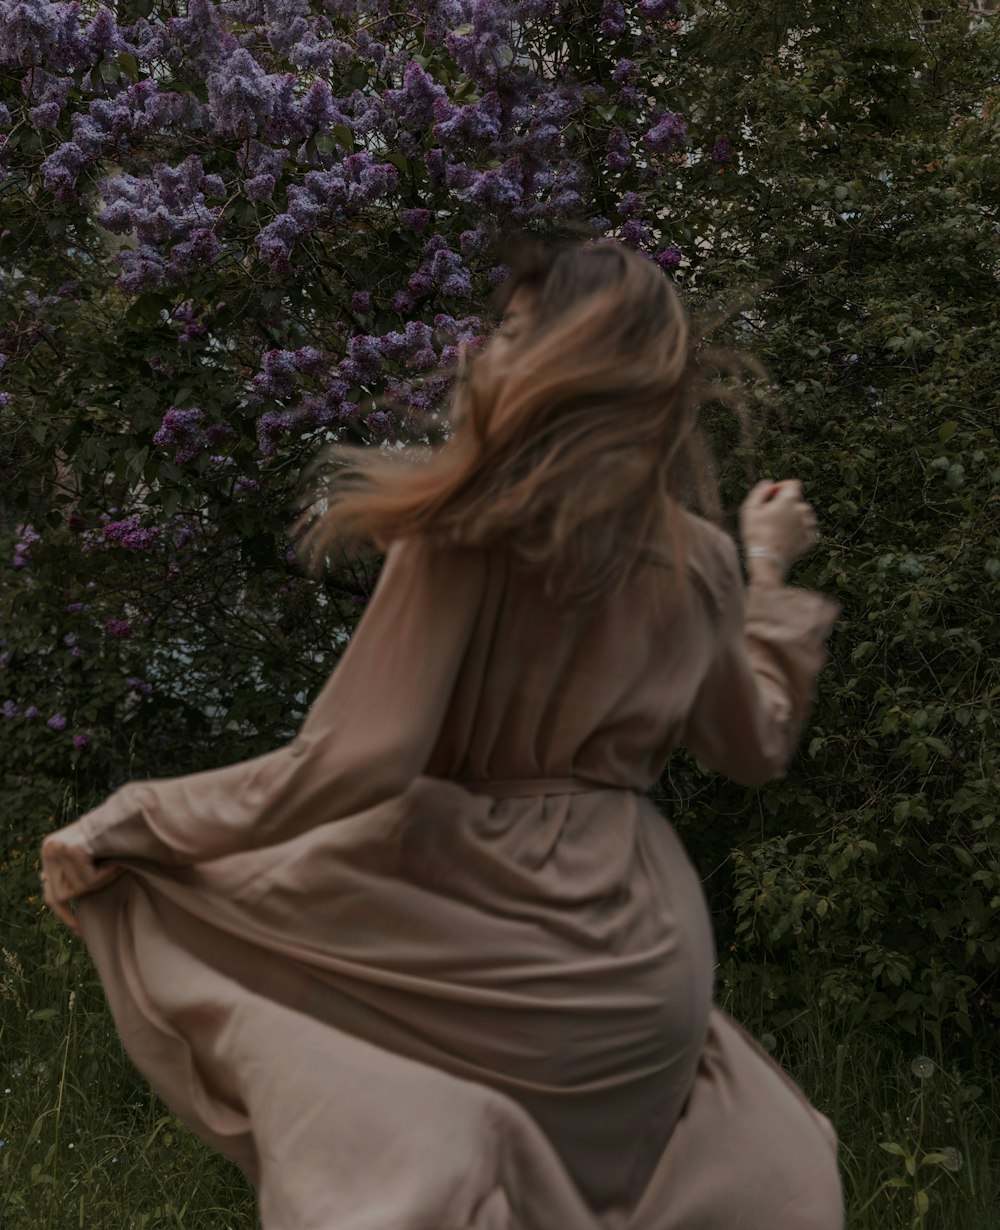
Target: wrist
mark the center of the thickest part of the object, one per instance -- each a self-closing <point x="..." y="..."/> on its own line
<point x="765" y="567"/>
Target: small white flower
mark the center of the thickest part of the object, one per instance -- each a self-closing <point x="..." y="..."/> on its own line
<point x="923" y="1067"/>
<point x="953" y="1158"/>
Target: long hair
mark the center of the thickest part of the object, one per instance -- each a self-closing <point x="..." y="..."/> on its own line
<point x="577" y="450"/>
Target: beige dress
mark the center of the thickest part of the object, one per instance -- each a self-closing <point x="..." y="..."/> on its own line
<point x="439" y="963"/>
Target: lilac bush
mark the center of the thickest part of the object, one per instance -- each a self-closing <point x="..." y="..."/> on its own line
<point x="229" y="231"/>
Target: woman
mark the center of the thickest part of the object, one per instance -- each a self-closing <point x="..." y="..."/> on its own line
<point x="439" y="962"/>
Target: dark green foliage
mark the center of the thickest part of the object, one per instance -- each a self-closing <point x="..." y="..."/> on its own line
<point x="868" y="215"/>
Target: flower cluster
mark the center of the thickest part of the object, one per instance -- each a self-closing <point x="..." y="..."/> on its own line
<point x="181" y="429"/>
<point x="667" y="133"/>
<point x="168" y="205"/>
<point x="322" y="179"/>
<point x="129" y="534"/>
<point x="23" y="546"/>
<point x="722" y="151"/>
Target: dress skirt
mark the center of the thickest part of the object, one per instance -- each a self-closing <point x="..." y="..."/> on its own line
<point x="473" y="1006"/>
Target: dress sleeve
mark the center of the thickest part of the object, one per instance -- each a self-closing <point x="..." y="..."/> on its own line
<point x="761" y="684"/>
<point x="370" y="731"/>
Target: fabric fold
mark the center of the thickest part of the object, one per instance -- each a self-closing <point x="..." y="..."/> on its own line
<point x="399" y="1003"/>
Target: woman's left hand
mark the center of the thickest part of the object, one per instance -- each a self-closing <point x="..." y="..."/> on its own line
<point x="68" y="872"/>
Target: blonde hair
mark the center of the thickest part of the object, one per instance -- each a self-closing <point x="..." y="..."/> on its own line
<point x="577" y="453"/>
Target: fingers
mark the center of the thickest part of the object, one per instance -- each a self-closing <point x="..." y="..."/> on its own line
<point x="61" y="910"/>
<point x="68" y="873"/>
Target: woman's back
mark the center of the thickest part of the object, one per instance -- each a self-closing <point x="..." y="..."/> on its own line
<point x="597" y="691"/>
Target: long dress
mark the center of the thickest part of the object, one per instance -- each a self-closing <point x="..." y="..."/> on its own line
<point x="439" y="963"/>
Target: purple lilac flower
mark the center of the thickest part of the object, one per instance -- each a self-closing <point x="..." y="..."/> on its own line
<point x="413" y="105"/>
<point x="271" y="426"/>
<point x="498" y="188"/>
<point x="32" y="712"/>
<point x="181" y="429"/>
<point x="667" y="133"/>
<point x="246" y="484"/>
<point x="416" y="220"/>
<point x="103" y="35"/>
<point x="119" y="629"/>
<point x="255" y="158"/>
<point x="317" y="107"/>
<point x="200" y="249"/>
<point x="630" y="206"/>
<point x="722" y="151"/>
<point x="141" y="270"/>
<point x="139" y="686"/>
<point x="613" y="19"/>
<point x="361" y="301"/>
<point x="129" y="535"/>
<point x="619" y="155"/>
<point x="279" y="375"/>
<point x="49" y="95"/>
<point x="310" y="360"/>
<point x="655" y="9"/>
<point x="669" y="258"/>
<point x="80" y="742"/>
<point x="380" y="421"/>
<point x="22" y="548"/>
<point x="241" y="95"/>
<point x="57" y="721"/>
<point x="364" y="361"/>
<point x="69" y="639"/>
<point x="74" y="608"/>
<point x="10" y="709"/>
<point x="260" y="188"/>
<point x="37" y="32"/>
<point x="636" y="233"/>
<point x="476" y="124"/>
<point x="420" y="283"/>
<point x="275" y="242"/>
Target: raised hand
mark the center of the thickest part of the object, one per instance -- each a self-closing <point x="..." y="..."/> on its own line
<point x="775" y="516"/>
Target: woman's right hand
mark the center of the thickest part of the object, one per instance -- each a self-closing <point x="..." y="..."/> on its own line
<point x="775" y="516"/>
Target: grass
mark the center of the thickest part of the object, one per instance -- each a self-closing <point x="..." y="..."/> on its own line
<point x="919" y="1127"/>
<point x="86" y="1145"/>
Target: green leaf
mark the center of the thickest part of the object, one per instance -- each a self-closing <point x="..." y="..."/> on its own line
<point x="933" y="1159"/>
<point x="890" y="1146"/>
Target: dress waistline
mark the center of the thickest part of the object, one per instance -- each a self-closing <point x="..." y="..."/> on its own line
<point x="512" y="787"/>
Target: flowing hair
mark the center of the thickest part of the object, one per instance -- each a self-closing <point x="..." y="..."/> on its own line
<point x="577" y="451"/>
